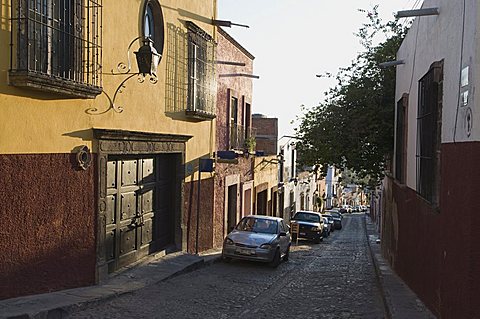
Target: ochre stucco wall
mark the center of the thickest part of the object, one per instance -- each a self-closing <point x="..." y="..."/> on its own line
<point x="265" y="172"/>
<point x="35" y="122"/>
<point x="48" y="210"/>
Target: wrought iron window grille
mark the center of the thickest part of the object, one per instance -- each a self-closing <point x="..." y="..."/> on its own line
<point x="191" y="77"/>
<point x="429" y="133"/>
<point x="401" y="139"/>
<point x="56" y="46"/>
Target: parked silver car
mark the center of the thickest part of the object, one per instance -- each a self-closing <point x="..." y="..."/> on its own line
<point x="258" y="238"/>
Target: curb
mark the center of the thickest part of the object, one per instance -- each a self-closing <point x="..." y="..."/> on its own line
<point x="400" y="301"/>
<point x="388" y="314"/>
<point x="72" y="299"/>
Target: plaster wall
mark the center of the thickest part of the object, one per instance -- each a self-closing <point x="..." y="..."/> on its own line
<point x="37" y="122"/>
<point x="47" y="241"/>
<point x="204" y="209"/>
<point x="267" y="134"/>
<point x="228" y="50"/>
<point x="223" y="170"/>
<point x="265" y="172"/>
<point x="306" y="186"/>
<point x="451" y="37"/>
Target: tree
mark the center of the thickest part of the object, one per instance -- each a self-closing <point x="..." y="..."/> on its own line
<point x="354" y="127"/>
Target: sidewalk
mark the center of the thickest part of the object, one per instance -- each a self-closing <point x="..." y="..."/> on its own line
<point x="400" y="301"/>
<point x="154" y="269"/>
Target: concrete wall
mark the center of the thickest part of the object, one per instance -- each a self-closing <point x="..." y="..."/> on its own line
<point x="431" y="39"/>
<point x="434" y="249"/>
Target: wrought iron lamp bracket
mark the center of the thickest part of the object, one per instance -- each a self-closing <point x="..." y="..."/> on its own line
<point x="124" y="69"/>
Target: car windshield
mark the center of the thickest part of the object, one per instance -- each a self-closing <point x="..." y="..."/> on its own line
<point x="258" y="225"/>
<point x="306" y="217"/>
<point x="335" y="214"/>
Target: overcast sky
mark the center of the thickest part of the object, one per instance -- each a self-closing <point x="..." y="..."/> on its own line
<point x="292" y="41"/>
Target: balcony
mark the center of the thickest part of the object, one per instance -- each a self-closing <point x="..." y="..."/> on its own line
<point x="235" y="137"/>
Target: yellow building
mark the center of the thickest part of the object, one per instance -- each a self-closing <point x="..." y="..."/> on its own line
<point x="96" y="160"/>
<point x="266" y="185"/>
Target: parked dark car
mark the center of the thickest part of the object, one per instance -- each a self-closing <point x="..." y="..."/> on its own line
<point x="310" y="225"/>
<point x="258" y="238"/>
<point x="337" y="220"/>
<point x="327" y="228"/>
<point x="330" y="221"/>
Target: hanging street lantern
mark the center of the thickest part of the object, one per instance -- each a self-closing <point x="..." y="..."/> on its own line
<point x="147" y="58"/>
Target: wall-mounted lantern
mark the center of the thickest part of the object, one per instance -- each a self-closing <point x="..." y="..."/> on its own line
<point x="148" y="60"/>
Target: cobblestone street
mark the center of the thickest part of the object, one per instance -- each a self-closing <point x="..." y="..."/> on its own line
<point x="333" y="279"/>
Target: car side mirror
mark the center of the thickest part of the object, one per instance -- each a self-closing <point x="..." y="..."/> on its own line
<point x="283" y="233"/>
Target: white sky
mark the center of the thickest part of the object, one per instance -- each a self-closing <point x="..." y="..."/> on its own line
<point x="292" y="41"/>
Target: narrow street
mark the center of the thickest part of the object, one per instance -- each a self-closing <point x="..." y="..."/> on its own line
<point x="334" y="279"/>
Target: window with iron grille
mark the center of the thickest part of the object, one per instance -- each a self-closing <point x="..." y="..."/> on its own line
<point x="429" y="133"/>
<point x="191" y="85"/>
<point x="201" y="72"/>
<point x="56" y="46"/>
<point x="401" y="139"/>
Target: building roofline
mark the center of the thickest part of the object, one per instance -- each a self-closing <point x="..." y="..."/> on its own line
<point x="235" y="43"/>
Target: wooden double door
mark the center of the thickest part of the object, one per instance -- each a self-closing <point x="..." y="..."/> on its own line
<point x="140" y="207"/>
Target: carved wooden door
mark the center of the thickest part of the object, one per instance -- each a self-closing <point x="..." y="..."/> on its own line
<point x="134" y="209"/>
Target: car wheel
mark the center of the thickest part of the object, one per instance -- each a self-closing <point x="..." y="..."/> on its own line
<point x="276" y="259"/>
<point x="287" y="254"/>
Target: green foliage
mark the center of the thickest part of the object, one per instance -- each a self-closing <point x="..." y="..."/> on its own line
<point x="354" y="127"/>
<point x="250" y="144"/>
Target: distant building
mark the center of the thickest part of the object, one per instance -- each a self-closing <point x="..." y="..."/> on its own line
<point x="287" y="177"/>
<point x="233" y="194"/>
<point x="266" y="129"/>
<point x="333" y="188"/>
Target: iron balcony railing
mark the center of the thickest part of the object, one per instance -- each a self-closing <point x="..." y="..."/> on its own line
<point x="235" y="137"/>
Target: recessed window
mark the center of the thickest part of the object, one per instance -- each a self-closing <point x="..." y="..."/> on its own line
<point x="152" y="24"/>
<point x="429" y="133"/>
<point x="201" y="72"/>
<point x="401" y="139"/>
<point x="149" y="23"/>
<point x="56" y="46"/>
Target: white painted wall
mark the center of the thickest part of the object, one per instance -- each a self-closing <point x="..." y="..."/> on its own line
<point x="431" y="39"/>
<point x="287" y="144"/>
<point x="330" y="183"/>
